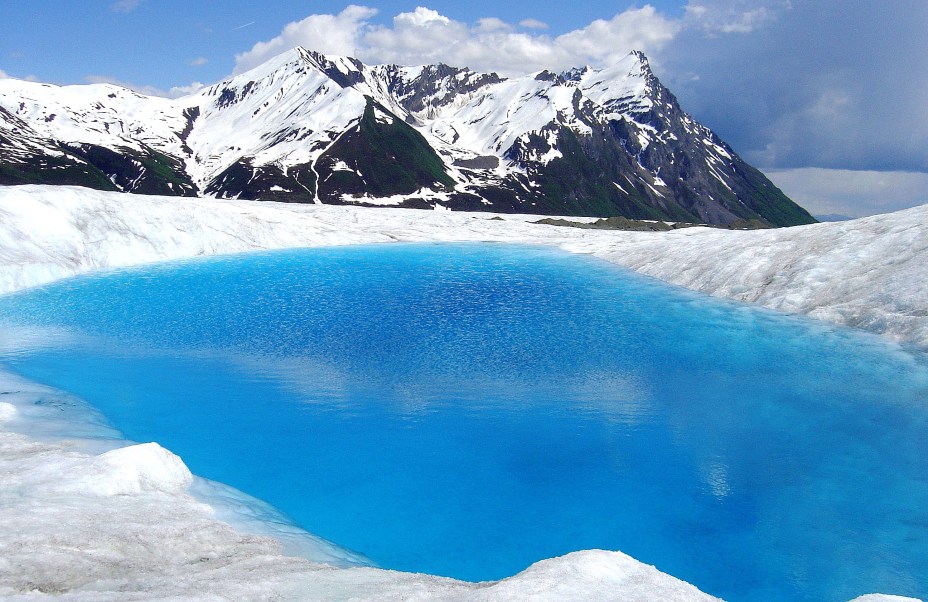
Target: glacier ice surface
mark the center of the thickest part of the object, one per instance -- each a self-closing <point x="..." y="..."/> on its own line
<point x="85" y="515"/>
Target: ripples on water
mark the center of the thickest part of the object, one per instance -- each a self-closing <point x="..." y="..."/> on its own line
<point x="466" y="410"/>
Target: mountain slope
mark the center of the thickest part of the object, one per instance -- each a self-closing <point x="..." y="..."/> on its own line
<point x="305" y="127"/>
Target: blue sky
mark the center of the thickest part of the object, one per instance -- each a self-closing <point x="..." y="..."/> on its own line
<point x="829" y="97"/>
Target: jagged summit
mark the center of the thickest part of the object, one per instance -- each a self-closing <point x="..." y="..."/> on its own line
<point x="311" y="127"/>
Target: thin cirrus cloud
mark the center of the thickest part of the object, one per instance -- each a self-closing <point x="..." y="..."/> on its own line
<point x="533" y="24"/>
<point x="715" y="17"/>
<point x="125" y="6"/>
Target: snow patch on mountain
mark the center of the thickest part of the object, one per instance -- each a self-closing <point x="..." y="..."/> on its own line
<point x="284" y="112"/>
<point x="620" y="88"/>
<point x="100" y="114"/>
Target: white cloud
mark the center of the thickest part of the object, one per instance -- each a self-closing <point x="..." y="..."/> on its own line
<point x="635" y="29"/>
<point x="125" y="6"/>
<point x="333" y="34"/>
<point x="199" y="61"/>
<point x="421" y="17"/>
<point x="422" y="36"/>
<point x="3" y="74"/>
<point x="533" y="24"/>
<point x="855" y="193"/>
<point x="425" y="36"/>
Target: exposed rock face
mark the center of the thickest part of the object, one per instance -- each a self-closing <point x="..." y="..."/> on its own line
<point x="305" y="127"/>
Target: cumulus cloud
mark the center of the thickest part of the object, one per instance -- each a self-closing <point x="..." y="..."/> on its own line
<point x="635" y="29"/>
<point x="199" y="61"/>
<point x="421" y="36"/>
<point x="425" y="36"/>
<point x="852" y="193"/>
<point x="3" y="74"/>
<point x="333" y="34"/>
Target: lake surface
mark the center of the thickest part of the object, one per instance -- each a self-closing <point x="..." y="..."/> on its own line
<point x="466" y="410"/>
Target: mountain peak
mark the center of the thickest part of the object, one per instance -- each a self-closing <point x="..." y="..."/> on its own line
<point x="641" y="58"/>
<point x="644" y="66"/>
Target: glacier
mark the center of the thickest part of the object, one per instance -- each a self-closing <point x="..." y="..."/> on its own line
<point x="86" y="515"/>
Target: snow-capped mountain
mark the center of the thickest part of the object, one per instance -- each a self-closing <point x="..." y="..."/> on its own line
<point x="305" y="127"/>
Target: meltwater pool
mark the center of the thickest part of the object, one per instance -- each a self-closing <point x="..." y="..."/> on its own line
<point x="467" y="410"/>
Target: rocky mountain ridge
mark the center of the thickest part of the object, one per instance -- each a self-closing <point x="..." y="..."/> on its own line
<point x="306" y="127"/>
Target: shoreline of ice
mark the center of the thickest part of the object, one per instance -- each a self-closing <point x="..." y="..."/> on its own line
<point x="866" y="273"/>
<point x="85" y="517"/>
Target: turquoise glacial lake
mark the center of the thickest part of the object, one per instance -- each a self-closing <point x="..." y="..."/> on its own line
<point x="467" y="410"/>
